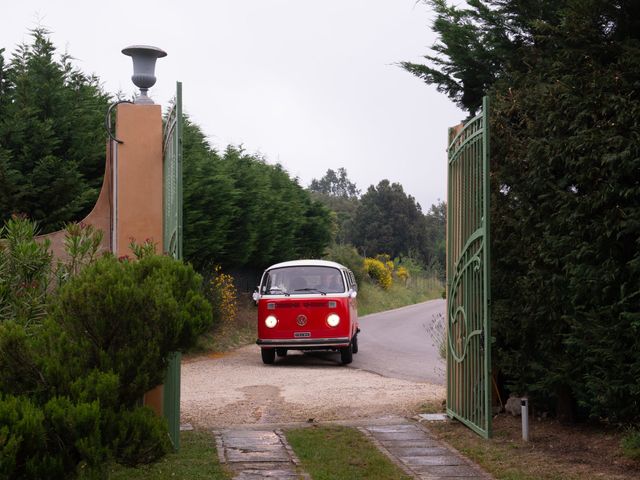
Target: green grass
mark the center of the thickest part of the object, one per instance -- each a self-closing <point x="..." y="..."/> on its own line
<point x="372" y="299"/>
<point x="631" y="444"/>
<point x="341" y="453"/>
<point x="197" y="460"/>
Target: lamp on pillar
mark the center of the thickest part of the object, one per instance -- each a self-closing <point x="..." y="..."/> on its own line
<point x="144" y="64"/>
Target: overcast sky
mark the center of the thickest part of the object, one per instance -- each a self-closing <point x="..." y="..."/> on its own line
<point x="312" y="85"/>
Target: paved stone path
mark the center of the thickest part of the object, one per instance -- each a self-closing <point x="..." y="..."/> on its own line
<point x="264" y="453"/>
<point x="256" y="454"/>
<point x="419" y="454"/>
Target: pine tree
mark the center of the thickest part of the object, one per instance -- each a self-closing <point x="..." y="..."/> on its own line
<point x="52" y="142"/>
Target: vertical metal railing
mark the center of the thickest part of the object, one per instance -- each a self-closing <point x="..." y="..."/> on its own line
<point x="468" y="287"/>
<point x="172" y="241"/>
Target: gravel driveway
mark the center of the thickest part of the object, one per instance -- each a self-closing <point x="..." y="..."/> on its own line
<point x="236" y="388"/>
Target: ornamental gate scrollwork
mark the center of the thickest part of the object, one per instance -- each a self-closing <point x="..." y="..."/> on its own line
<point x="468" y="285"/>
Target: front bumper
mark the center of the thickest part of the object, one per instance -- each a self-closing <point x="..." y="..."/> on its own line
<point x="305" y="343"/>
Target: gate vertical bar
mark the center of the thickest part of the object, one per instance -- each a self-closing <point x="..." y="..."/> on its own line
<point x="172" y="244"/>
<point x="486" y="152"/>
<point x="468" y="275"/>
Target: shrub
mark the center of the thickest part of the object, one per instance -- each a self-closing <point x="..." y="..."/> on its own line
<point x="82" y="242"/>
<point x="126" y="317"/>
<point x="565" y="226"/>
<point x="224" y="297"/>
<point x="378" y="272"/>
<point x="22" y="434"/>
<point x="385" y="258"/>
<point x="19" y="369"/>
<point x="140" y="437"/>
<point x="403" y="274"/>
<point x="50" y="441"/>
<point x="74" y="362"/>
<point x="348" y="256"/>
<point x="25" y="268"/>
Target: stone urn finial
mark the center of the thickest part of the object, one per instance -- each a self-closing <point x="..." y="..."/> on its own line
<point x="144" y="64"/>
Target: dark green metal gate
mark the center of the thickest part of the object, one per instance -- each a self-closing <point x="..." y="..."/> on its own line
<point x="172" y="241"/>
<point x="468" y="287"/>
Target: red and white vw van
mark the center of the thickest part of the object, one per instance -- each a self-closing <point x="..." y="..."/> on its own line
<point x="307" y="305"/>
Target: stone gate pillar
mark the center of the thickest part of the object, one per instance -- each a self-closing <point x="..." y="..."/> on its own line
<point x="139" y="177"/>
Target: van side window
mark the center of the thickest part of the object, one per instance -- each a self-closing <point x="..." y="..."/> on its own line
<point x="352" y="281"/>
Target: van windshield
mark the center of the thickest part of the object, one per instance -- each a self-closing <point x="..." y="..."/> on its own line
<point x="303" y="280"/>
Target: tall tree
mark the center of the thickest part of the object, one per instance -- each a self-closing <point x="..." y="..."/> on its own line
<point x="565" y="156"/>
<point x="436" y="224"/>
<point x="482" y="42"/>
<point x="341" y="195"/>
<point x="335" y="184"/>
<point x="52" y="141"/>
<point x="389" y="221"/>
<point x="241" y="211"/>
<point x="209" y="200"/>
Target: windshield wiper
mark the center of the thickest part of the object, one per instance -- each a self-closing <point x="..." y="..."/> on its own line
<point x="277" y="291"/>
<point x="310" y="290"/>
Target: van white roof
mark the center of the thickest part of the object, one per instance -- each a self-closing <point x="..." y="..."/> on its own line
<point x="307" y="263"/>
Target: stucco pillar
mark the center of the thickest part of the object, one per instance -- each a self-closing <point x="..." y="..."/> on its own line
<point x="139" y="177"/>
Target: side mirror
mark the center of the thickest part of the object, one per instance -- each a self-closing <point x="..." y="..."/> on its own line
<point x="353" y="294"/>
<point x="256" y="296"/>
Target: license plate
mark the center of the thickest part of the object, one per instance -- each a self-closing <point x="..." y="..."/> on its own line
<point x="302" y="334"/>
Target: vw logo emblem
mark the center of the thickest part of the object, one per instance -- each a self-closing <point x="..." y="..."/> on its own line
<point x="301" y="320"/>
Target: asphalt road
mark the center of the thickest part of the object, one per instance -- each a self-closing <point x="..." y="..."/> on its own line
<point x="397" y="344"/>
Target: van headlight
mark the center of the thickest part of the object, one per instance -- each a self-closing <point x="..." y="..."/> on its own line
<point x="333" y="320"/>
<point x="271" y="321"/>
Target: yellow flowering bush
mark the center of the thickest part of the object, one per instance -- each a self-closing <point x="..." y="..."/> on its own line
<point x="403" y="274"/>
<point x="224" y="295"/>
<point x="378" y="272"/>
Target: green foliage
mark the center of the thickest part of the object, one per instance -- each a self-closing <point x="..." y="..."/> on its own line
<point x="22" y="435"/>
<point x="389" y="220"/>
<point x="565" y="217"/>
<point x="210" y="200"/>
<point x="141" y="437"/>
<point x="469" y="55"/>
<point x="348" y="256"/>
<point x="74" y="384"/>
<point x="631" y="444"/>
<point x="51" y="135"/>
<point x="378" y="272"/>
<point x="436" y="247"/>
<point x="51" y="441"/>
<point x="241" y="211"/>
<point x="142" y="250"/>
<point x="335" y="185"/>
<point x="81" y="243"/>
<point x="340" y="195"/>
<point x="343" y="211"/>
<point x="25" y="269"/>
<point x="126" y="317"/>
